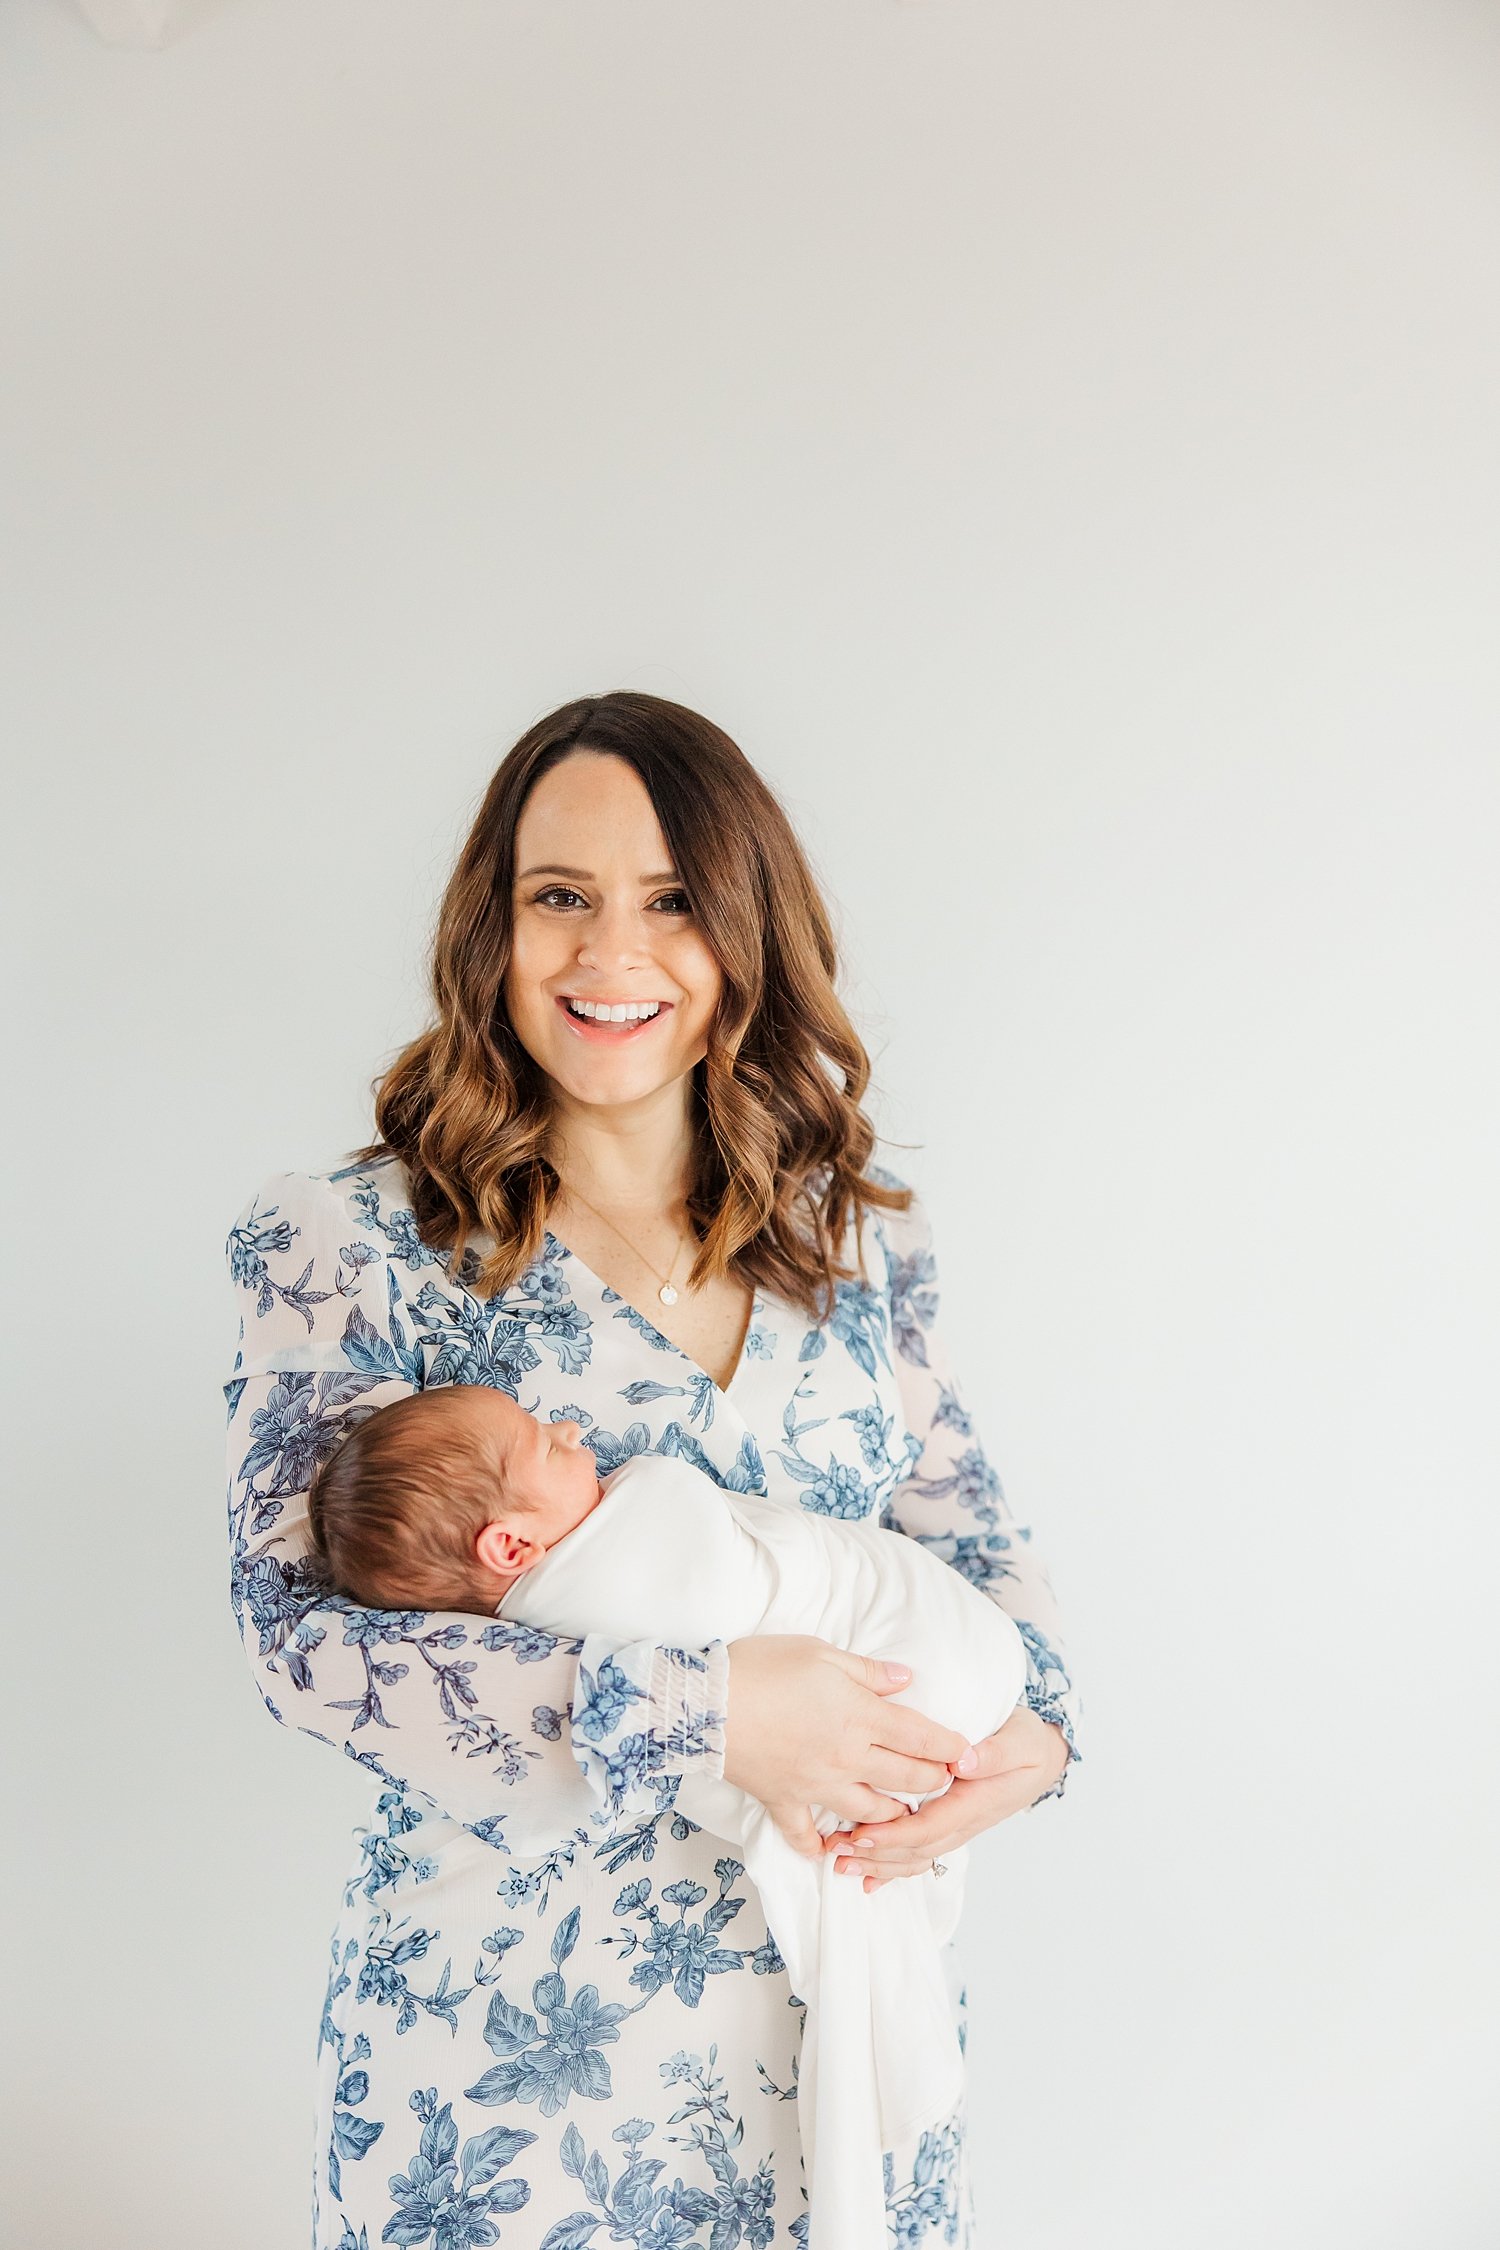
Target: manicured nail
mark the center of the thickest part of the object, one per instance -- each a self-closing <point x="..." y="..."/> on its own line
<point x="968" y="1761"/>
<point x="864" y="1843"/>
<point x="900" y="1673"/>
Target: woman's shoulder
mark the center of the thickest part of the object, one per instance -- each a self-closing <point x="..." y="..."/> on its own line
<point x="369" y="1196"/>
<point x="367" y="1186"/>
<point x="903" y="1235"/>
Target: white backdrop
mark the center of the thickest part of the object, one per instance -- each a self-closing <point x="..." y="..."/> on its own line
<point x="1059" y="444"/>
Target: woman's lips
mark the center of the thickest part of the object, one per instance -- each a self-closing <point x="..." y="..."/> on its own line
<point x="608" y="1034"/>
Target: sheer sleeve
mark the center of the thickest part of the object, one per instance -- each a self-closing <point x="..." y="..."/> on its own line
<point x="950" y="1497"/>
<point x="519" y="1735"/>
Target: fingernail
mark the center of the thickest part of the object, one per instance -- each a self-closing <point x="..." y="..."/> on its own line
<point x="864" y="1843"/>
<point x="968" y="1761"/>
<point x="898" y="1672"/>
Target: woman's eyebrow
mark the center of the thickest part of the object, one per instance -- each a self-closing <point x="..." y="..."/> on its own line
<point x="584" y="875"/>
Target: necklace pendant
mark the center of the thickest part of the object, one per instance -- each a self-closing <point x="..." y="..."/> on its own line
<point x="667" y="1293"/>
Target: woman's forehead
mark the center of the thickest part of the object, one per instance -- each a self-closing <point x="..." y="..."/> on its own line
<point x="596" y="798"/>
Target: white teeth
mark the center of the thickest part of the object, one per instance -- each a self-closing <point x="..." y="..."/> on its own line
<point x="624" y="1011"/>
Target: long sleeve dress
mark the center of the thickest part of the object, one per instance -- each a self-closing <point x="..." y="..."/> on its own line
<point x="554" y="2015"/>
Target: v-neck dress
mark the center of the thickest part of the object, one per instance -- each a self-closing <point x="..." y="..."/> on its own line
<point x="554" y="2016"/>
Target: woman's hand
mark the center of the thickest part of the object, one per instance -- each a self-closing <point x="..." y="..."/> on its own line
<point x="808" y="1724"/>
<point x="1017" y="1764"/>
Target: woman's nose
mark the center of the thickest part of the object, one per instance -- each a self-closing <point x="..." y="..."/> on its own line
<point x="615" y="940"/>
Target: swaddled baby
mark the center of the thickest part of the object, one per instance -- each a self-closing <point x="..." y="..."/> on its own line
<point x="456" y="1498"/>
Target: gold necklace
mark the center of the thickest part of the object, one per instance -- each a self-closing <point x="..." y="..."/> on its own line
<point x="666" y="1292"/>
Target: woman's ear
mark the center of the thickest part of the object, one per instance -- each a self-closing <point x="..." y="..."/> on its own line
<point x="504" y="1550"/>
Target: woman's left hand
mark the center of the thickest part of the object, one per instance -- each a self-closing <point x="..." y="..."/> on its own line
<point x="1017" y="1764"/>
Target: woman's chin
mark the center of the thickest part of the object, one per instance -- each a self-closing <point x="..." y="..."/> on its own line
<point x="612" y="1082"/>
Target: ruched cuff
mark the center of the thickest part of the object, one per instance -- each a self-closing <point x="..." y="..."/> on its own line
<point x="689" y="1710"/>
<point x="1048" y="1706"/>
<point x="642" y="1715"/>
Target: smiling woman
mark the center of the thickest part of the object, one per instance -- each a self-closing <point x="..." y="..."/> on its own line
<point x="553" y="1997"/>
<point x="627" y="852"/>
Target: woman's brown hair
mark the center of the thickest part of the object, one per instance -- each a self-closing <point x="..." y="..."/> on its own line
<point x="782" y="1143"/>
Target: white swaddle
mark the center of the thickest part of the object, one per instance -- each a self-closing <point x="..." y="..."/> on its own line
<point x="670" y="1556"/>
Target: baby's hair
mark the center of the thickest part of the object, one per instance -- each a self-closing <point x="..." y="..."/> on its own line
<point x="394" y="1510"/>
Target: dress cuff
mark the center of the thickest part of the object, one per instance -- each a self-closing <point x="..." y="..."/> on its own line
<point x="689" y="1710"/>
<point x="1049" y="1706"/>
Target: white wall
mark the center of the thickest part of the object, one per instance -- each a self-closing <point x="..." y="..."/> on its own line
<point x="1059" y="443"/>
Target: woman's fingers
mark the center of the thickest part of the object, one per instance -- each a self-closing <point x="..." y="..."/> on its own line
<point x="896" y="1726"/>
<point x="911" y="1734"/>
<point x="878" y="1877"/>
<point x="796" y="1824"/>
<point x="885" y="1871"/>
<point x="914" y="1731"/>
<point x="856" y="1801"/>
<point x="962" y="1812"/>
<point x="873" y="1672"/>
<point x="897" y="1861"/>
<point x="902" y="1776"/>
<point x="895" y="1847"/>
<point x="813" y="1724"/>
<point x="922" y="1833"/>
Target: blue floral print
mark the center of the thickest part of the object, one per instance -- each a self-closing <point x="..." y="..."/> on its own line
<point x="555" y="2016"/>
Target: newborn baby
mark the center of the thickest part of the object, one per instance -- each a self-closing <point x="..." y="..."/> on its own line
<point x="456" y="1498"/>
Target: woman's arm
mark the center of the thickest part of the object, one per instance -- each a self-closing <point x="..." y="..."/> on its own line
<point x="950" y="1498"/>
<point x="520" y="1735"/>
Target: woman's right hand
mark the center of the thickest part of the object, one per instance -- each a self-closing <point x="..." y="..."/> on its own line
<point x="809" y="1724"/>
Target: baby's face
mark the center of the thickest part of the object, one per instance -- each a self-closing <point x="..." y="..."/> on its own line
<point x="544" y="1463"/>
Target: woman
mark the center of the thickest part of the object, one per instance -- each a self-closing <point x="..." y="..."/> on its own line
<point x="555" y="2015"/>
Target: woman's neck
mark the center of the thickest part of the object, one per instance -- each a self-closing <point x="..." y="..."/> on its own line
<point x="634" y="1158"/>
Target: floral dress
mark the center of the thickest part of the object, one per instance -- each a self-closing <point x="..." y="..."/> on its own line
<point x="554" y="2015"/>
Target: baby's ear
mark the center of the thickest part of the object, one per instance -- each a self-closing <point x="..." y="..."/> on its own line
<point x="503" y="1549"/>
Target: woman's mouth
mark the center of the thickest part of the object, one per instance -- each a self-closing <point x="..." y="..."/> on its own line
<point x="609" y="1023"/>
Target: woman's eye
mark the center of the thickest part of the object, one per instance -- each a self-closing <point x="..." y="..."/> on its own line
<point x="674" y="902"/>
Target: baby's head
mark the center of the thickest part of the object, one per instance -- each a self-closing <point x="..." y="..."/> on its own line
<point x="442" y="1499"/>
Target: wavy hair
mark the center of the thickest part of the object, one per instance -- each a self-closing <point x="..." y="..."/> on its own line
<point x="782" y="1145"/>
